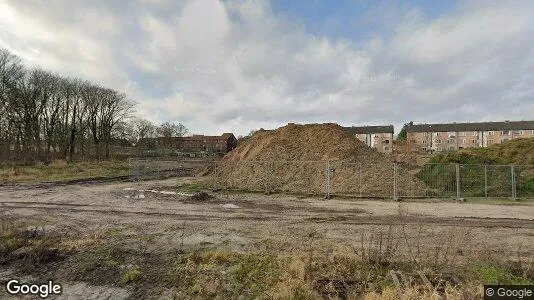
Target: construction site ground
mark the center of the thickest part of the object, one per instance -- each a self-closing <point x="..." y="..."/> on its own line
<point x="159" y="217"/>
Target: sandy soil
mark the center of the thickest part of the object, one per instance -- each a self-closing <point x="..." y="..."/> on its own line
<point x="244" y="221"/>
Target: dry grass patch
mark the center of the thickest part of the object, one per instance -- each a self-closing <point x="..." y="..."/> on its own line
<point x="60" y="170"/>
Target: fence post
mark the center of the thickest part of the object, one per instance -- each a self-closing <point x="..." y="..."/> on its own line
<point x="360" y="178"/>
<point x="215" y="178"/>
<point x="458" y="182"/>
<point x="269" y="178"/>
<point x="327" y="196"/>
<point x="395" y="197"/>
<point x="137" y="171"/>
<point x="512" y="169"/>
<point x="486" y="181"/>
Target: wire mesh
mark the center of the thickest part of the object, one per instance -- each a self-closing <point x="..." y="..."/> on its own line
<point x="354" y="179"/>
<point x="362" y="179"/>
<point x="154" y="168"/>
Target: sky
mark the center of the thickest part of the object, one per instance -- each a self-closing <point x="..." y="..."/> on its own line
<point x="237" y="65"/>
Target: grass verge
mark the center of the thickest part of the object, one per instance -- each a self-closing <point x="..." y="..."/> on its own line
<point x="62" y="171"/>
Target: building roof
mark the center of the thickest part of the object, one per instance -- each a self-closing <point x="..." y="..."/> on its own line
<point x="483" y="126"/>
<point x="227" y="135"/>
<point x="369" y="129"/>
<point x="195" y="137"/>
<point x="200" y="137"/>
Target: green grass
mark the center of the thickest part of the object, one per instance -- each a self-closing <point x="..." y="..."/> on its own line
<point x="62" y="171"/>
<point x="491" y="274"/>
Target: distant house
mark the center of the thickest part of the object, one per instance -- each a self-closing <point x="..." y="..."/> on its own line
<point x="453" y="136"/>
<point x="196" y="143"/>
<point x="377" y="137"/>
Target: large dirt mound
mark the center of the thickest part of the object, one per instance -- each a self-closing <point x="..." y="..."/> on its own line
<point x="294" y="158"/>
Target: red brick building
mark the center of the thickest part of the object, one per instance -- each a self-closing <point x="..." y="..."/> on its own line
<point x="196" y="143"/>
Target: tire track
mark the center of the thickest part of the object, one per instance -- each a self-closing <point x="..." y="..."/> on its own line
<point x="254" y="215"/>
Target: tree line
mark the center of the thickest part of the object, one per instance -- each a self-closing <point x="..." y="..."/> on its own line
<point x="46" y="116"/>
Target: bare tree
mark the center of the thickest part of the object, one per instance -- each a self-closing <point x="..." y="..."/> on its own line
<point x="168" y="130"/>
<point x="44" y="115"/>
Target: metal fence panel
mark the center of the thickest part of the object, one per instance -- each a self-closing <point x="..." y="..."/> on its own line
<point x="362" y="179"/>
<point x="354" y="179"/>
<point x="524" y="181"/>
<point x="433" y="181"/>
<point x="303" y="177"/>
<point x="157" y="168"/>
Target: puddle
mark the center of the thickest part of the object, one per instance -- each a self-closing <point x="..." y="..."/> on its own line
<point x="158" y="192"/>
<point x="229" y="206"/>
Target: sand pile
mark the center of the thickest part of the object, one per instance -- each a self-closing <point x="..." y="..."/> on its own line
<point x="293" y="159"/>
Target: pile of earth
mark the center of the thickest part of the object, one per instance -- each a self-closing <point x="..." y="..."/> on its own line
<point x="294" y="158"/>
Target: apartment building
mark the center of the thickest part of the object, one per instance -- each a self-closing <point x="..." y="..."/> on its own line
<point x="440" y="137"/>
<point x="378" y="137"/>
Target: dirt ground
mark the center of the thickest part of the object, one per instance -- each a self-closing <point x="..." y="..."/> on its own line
<point x="242" y="221"/>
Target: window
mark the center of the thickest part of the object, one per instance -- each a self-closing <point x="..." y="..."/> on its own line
<point x="490" y="142"/>
<point x="505" y="132"/>
<point x="386" y="141"/>
<point x="376" y="135"/>
<point x="424" y="141"/>
<point x="439" y="149"/>
<point x="438" y="141"/>
<point x="475" y="133"/>
<point x="425" y="133"/>
<point x="463" y="141"/>
<point x="386" y="148"/>
<point x="474" y="141"/>
<point x="424" y="148"/>
<point x="491" y="132"/>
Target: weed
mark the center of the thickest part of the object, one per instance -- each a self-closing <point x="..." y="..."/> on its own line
<point x="131" y="276"/>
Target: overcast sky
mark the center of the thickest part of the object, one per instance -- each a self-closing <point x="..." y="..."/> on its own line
<point x="232" y="66"/>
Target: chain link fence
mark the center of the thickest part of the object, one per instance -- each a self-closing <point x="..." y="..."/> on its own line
<point x="351" y="179"/>
<point x="160" y="168"/>
<point x="475" y="181"/>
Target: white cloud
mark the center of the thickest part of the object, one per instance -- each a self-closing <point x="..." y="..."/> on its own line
<point x="236" y="65"/>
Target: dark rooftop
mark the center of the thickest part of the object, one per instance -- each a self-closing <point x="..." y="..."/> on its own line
<point x="369" y="129"/>
<point x="483" y="126"/>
